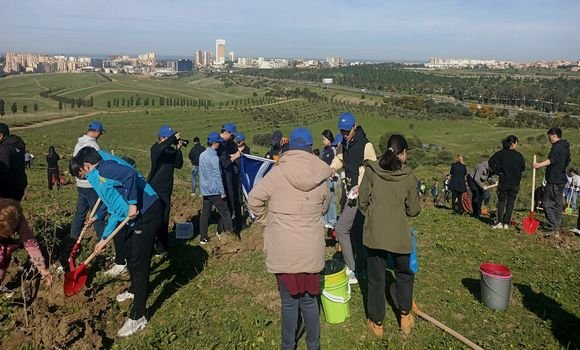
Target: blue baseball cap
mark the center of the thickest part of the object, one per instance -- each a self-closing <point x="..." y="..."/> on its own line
<point x="240" y="138"/>
<point x="231" y="128"/>
<point x="301" y="139"/>
<point x="214" y="137"/>
<point x="345" y="121"/>
<point x="97" y="126"/>
<point x="337" y="139"/>
<point x="166" y="131"/>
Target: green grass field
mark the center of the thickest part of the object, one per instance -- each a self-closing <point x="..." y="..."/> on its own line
<point x="229" y="300"/>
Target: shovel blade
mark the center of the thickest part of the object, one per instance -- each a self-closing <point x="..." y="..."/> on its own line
<point x="75" y="280"/>
<point x="530" y="224"/>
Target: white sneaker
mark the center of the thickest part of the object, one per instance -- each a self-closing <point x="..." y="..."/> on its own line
<point x="132" y="326"/>
<point x="125" y="296"/>
<point x="506" y="226"/>
<point x="116" y="270"/>
<point x="499" y="225"/>
<point x="351" y="276"/>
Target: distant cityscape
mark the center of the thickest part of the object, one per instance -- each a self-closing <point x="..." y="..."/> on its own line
<point x="150" y="64"/>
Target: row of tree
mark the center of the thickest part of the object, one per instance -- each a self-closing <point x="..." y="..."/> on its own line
<point x="14" y="108"/>
<point x="53" y="94"/>
<point x="549" y="95"/>
<point x="136" y="101"/>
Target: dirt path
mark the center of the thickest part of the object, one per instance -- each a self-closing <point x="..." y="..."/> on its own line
<point x="40" y="85"/>
<point x="66" y="119"/>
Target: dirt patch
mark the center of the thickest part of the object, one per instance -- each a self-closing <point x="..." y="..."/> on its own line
<point x="564" y="239"/>
<point x="53" y="321"/>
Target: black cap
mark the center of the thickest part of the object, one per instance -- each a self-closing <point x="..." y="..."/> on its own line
<point x="4" y="129"/>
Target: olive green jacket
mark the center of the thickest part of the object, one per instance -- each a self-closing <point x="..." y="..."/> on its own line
<point x="387" y="198"/>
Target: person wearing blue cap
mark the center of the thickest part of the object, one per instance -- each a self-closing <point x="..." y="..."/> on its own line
<point x="290" y="201"/>
<point x="125" y="194"/>
<point x="212" y="188"/>
<point x="87" y="197"/>
<point x="352" y="151"/>
<point x="165" y="158"/>
<point x="240" y="141"/>
<point x="229" y="159"/>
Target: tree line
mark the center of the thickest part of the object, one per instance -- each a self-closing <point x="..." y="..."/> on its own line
<point x="78" y="102"/>
<point x="547" y="95"/>
<point x="14" y="108"/>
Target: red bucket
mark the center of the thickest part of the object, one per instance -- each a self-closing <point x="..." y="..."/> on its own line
<point x="495" y="270"/>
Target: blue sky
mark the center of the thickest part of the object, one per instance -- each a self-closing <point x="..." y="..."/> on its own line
<point x="381" y="30"/>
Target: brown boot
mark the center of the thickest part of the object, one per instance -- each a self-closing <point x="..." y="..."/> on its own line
<point x="377" y="329"/>
<point x="407" y="323"/>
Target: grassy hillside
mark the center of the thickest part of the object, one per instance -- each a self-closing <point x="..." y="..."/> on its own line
<point x="221" y="297"/>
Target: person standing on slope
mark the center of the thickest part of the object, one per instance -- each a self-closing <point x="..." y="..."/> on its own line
<point x="354" y="149"/>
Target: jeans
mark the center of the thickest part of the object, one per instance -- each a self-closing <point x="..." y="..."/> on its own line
<point x="291" y="306"/>
<point x="376" y="265"/>
<point x="86" y="199"/>
<point x="553" y="205"/>
<point x="222" y="207"/>
<point x="330" y="217"/>
<point x="349" y="234"/>
<point x="194" y="176"/>
<point x="138" y="245"/>
<point x="506" y="200"/>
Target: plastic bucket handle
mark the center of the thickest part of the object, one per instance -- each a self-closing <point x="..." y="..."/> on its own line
<point x="337" y="299"/>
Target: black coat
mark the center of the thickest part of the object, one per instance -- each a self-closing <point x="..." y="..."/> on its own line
<point x="13" y="180"/>
<point x="458" y="172"/>
<point x="164" y="160"/>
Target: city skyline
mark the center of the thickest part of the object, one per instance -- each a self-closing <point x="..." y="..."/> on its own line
<point x="374" y="30"/>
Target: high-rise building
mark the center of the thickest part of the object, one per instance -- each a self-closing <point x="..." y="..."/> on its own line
<point x="231" y="57"/>
<point x="207" y="58"/>
<point x="183" y="65"/>
<point x="199" y="58"/>
<point x="220" y="51"/>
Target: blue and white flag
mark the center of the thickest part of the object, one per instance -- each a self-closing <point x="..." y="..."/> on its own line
<point x="253" y="170"/>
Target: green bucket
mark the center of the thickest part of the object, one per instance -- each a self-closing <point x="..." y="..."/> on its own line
<point x="335" y="297"/>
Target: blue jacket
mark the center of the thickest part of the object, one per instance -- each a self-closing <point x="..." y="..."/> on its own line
<point x="210" y="175"/>
<point x="119" y="185"/>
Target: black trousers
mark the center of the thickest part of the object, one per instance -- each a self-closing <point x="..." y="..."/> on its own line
<point x="506" y="199"/>
<point x="222" y="207"/>
<point x="138" y="246"/>
<point x="119" y="243"/>
<point x="376" y="266"/>
<point x="456" y="203"/>
<point x="476" y="196"/>
<point x="234" y="199"/>
<point x="163" y="232"/>
<point x="53" y="172"/>
<point x="553" y="205"/>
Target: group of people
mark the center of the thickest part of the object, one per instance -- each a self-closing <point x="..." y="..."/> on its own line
<point x="509" y="165"/>
<point x="294" y="201"/>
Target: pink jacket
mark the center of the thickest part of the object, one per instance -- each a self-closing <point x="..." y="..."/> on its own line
<point x="7" y="247"/>
<point x="290" y="201"/>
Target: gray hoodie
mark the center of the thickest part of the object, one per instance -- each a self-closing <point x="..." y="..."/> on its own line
<point x="85" y="141"/>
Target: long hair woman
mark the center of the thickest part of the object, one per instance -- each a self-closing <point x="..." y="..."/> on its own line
<point x="387" y="197"/>
<point x="327" y="156"/>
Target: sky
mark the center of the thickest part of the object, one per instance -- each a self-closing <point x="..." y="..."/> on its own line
<point x="523" y="30"/>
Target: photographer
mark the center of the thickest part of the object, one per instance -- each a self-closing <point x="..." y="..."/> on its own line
<point x="164" y="160"/>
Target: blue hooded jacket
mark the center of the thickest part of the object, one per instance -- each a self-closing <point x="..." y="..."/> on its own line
<point x="119" y="185"/>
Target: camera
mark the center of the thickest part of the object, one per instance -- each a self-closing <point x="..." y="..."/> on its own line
<point x="183" y="142"/>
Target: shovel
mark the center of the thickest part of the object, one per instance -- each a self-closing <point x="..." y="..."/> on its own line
<point x="75" y="249"/>
<point x="530" y="224"/>
<point x="75" y="280"/>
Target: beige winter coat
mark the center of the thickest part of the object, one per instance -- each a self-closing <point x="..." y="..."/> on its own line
<point x="290" y="201"/>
